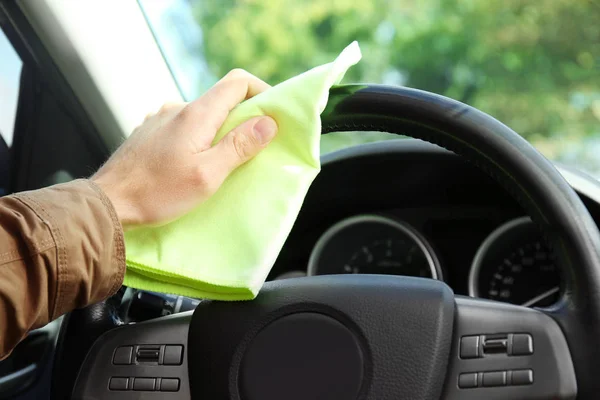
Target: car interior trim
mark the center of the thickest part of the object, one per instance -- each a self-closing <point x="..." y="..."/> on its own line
<point x="116" y="96"/>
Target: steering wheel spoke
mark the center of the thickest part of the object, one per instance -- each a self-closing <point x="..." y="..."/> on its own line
<point x="503" y="351"/>
<point x="144" y="360"/>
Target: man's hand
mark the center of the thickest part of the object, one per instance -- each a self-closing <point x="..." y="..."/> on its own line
<point x="167" y="166"/>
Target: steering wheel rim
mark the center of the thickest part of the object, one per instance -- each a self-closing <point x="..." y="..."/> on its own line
<point x="515" y="165"/>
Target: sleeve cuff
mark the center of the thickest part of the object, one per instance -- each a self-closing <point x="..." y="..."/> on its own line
<point x="90" y="261"/>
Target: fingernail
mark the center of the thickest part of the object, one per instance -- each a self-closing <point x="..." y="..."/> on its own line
<point x="265" y="129"/>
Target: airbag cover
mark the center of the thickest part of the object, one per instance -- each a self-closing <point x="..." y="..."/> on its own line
<point x="334" y="337"/>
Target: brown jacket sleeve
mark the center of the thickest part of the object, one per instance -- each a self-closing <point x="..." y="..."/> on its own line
<point x="61" y="248"/>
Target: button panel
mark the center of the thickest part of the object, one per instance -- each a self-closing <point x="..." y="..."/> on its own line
<point x="145" y="356"/>
<point x="481" y="346"/>
<point x="144" y="384"/>
<point x="149" y="354"/>
<point x="488" y="379"/>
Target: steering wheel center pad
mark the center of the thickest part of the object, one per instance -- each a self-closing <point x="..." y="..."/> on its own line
<point x="311" y="362"/>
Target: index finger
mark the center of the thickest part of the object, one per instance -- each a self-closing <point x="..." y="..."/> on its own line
<point x="248" y="85"/>
<point x="235" y="87"/>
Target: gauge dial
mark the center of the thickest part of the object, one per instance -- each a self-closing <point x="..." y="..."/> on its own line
<point x="372" y="244"/>
<point x="389" y="256"/>
<point x="514" y="265"/>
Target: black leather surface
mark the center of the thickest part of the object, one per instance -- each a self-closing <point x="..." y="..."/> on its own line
<point x="404" y="325"/>
<point x="522" y="170"/>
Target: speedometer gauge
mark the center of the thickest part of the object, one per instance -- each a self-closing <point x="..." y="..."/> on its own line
<point x="514" y="265"/>
<point x="373" y="244"/>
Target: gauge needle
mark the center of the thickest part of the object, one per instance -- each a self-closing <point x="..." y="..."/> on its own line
<point x="540" y="297"/>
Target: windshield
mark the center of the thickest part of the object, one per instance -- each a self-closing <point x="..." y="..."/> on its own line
<point x="534" y="65"/>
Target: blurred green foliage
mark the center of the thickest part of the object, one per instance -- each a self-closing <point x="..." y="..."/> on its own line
<point x="533" y="64"/>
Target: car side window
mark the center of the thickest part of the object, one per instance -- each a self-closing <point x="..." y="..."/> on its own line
<point x="10" y="72"/>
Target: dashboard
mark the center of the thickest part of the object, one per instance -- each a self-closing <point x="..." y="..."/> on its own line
<point x="408" y="208"/>
<point x="512" y="264"/>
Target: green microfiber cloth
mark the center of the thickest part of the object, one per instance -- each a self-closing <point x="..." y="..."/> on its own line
<point x="225" y="248"/>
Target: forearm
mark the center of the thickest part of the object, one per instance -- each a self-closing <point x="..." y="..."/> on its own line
<point x="61" y="248"/>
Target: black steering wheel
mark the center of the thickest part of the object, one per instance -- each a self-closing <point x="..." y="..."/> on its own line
<point x="371" y="337"/>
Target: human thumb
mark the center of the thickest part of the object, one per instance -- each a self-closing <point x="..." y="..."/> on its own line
<point x="243" y="143"/>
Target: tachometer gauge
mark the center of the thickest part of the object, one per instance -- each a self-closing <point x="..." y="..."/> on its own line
<point x="373" y="244"/>
<point x="514" y="265"/>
